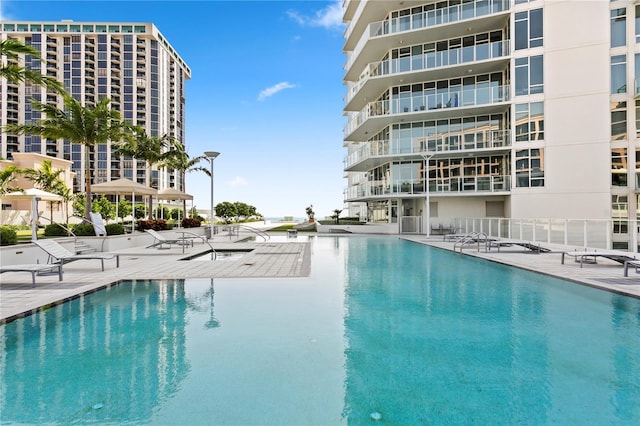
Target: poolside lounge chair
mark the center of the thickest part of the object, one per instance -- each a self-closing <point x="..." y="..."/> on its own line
<point x="161" y="240"/>
<point x="536" y="248"/>
<point x="633" y="263"/>
<point x="61" y="255"/>
<point x="33" y="268"/>
<point x="590" y="256"/>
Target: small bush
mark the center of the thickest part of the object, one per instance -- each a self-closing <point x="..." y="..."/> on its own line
<point x="8" y="236"/>
<point x="55" y="230"/>
<point x="155" y="224"/>
<point x="189" y="222"/>
<point x="84" y="230"/>
<point x="114" y="229"/>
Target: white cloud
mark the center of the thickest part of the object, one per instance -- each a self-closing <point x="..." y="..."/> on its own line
<point x="238" y="181"/>
<point x="330" y="17"/>
<point x="270" y="91"/>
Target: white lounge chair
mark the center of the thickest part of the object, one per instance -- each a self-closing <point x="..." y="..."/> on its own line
<point x="33" y="268"/>
<point x="160" y="240"/>
<point x="61" y="255"/>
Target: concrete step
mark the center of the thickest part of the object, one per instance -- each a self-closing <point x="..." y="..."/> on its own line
<point x="83" y="248"/>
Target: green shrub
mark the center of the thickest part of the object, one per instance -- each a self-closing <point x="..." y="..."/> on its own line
<point x="155" y="224"/>
<point x="84" y="230"/>
<point x="114" y="229"/>
<point x="8" y="236"/>
<point x="55" y="230"/>
<point x="189" y="222"/>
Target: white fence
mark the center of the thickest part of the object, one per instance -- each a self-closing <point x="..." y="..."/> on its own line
<point x="603" y="234"/>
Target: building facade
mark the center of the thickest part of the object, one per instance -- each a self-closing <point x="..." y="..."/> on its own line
<point x="518" y="109"/>
<point x="132" y="64"/>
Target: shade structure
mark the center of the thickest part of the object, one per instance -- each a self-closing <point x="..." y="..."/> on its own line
<point x="29" y="194"/>
<point x="173" y="194"/>
<point x="35" y="195"/>
<point x="123" y="186"/>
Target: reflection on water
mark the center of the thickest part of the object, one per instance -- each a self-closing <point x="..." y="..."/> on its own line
<point x="433" y="338"/>
<point x="109" y="356"/>
<point x="383" y="331"/>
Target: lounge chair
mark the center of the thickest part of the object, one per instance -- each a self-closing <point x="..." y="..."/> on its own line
<point x="33" y="268"/>
<point x="160" y="240"/>
<point x="62" y="255"/>
<point x="590" y="256"/>
<point x="633" y="263"/>
<point x="536" y="248"/>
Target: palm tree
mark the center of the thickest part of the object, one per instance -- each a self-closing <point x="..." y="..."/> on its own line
<point x="15" y="73"/>
<point x="86" y="125"/>
<point x="154" y="150"/>
<point x="181" y="162"/>
<point x="45" y="178"/>
<point x="7" y="178"/>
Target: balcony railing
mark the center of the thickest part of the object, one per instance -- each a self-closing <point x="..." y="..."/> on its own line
<point x="427" y="19"/>
<point x="435" y="143"/>
<point x="465" y="96"/>
<point x="459" y="184"/>
<point x="431" y="60"/>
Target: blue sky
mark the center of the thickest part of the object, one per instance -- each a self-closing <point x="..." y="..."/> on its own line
<point x="266" y="92"/>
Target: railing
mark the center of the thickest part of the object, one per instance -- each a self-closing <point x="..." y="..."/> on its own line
<point x="435" y="143"/>
<point x="431" y="60"/>
<point x="584" y="233"/>
<point x="234" y="230"/>
<point x="465" y="96"/>
<point x="428" y="19"/>
<point x="472" y="238"/>
<point x="463" y="184"/>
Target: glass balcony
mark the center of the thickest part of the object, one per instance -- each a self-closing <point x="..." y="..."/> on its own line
<point x="460" y="184"/>
<point x="463" y="96"/>
<point x="429" y="145"/>
<point x="431" y="60"/>
<point x="428" y="19"/>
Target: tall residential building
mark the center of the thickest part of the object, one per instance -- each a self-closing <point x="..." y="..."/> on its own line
<point x="132" y="64"/>
<point x="517" y="109"/>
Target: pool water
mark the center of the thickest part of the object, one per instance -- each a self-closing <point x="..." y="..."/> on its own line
<point x="383" y="331"/>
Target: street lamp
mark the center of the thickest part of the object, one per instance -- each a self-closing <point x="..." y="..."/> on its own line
<point x="211" y="155"/>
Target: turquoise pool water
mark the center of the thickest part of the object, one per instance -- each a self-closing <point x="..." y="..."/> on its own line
<point x="384" y="331"/>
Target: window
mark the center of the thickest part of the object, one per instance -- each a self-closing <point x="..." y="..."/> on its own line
<point x="618" y="27"/>
<point x="637" y="24"/>
<point x="619" y="74"/>
<point x="619" y="206"/>
<point x="619" y="167"/>
<point x="618" y="121"/>
<point x="529" y="75"/>
<point x="529" y="122"/>
<point x="530" y="168"/>
<point x="528" y="27"/>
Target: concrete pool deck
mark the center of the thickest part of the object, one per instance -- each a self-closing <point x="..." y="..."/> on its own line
<point x="266" y="259"/>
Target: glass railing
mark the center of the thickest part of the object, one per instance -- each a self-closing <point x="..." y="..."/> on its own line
<point x="441" y="16"/>
<point x="593" y="233"/>
<point x="431" y="60"/>
<point x="427" y="19"/>
<point x="435" y="143"/>
<point x="466" y="184"/>
<point x="465" y="96"/>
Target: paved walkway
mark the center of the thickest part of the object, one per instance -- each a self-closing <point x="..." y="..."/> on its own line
<point x="605" y="274"/>
<point x="258" y="259"/>
<point x="263" y="259"/>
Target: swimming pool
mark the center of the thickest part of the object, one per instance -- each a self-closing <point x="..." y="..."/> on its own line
<point x="383" y="330"/>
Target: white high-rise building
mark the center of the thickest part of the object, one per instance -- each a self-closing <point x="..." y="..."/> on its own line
<point x="527" y="110"/>
<point x="132" y="64"/>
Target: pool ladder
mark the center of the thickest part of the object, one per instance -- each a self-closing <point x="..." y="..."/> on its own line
<point x="479" y="238"/>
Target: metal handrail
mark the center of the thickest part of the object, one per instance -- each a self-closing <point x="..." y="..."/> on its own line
<point x="214" y="254"/>
<point x="254" y="230"/>
<point x="472" y="237"/>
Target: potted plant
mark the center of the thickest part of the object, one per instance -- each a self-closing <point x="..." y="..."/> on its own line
<point x="310" y="213"/>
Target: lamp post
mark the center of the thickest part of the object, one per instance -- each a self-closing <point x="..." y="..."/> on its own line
<point x="211" y="155"/>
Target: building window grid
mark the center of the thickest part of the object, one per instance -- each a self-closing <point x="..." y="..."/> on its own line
<point x="618" y="27"/>
<point x="530" y="168"/>
<point x="618" y="74"/>
<point x="529" y="31"/>
<point x="529" y="122"/>
<point x="619" y="167"/>
<point x="529" y="72"/>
